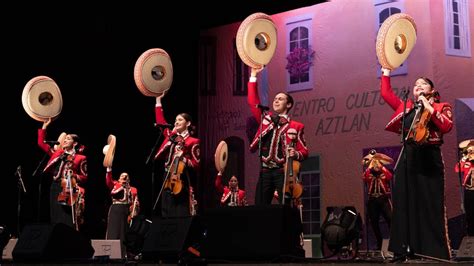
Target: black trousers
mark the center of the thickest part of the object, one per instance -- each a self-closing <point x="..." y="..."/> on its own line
<point x="376" y="207"/>
<point x="469" y="209"/>
<point x="117" y="224"/>
<point x="269" y="181"/>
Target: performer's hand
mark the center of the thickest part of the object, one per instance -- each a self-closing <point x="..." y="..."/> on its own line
<point x="386" y="72"/>
<point x="292" y="152"/>
<point x="462" y="208"/>
<point x="46" y="123"/>
<point x="255" y="71"/>
<point x="158" y="98"/>
<point x="426" y="103"/>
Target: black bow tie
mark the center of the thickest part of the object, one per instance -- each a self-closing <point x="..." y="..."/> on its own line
<point x="279" y="120"/>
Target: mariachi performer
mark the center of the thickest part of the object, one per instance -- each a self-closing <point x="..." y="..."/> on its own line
<point x="377" y="177"/>
<point x="125" y="204"/>
<point x="232" y="195"/>
<point x="465" y="167"/>
<point x="180" y="152"/>
<point x="276" y="144"/>
<point x="68" y="166"/>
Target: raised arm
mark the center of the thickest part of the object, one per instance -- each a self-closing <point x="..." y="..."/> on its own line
<point x="42" y="137"/>
<point x="218" y="183"/>
<point x="386" y="90"/>
<point x="159" y="114"/>
<point x="108" y="178"/>
<point x="252" y="96"/>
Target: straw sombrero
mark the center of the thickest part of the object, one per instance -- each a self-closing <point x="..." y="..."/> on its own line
<point x="153" y="72"/>
<point x="41" y="98"/>
<point x="221" y="156"/>
<point x="109" y="151"/>
<point x="373" y="155"/>
<point x="466" y="143"/>
<point x="61" y="138"/>
<point x="256" y="40"/>
<point x="395" y="40"/>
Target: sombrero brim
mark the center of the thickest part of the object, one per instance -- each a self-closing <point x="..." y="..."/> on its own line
<point x="109" y="151"/>
<point x="61" y="138"/>
<point x="466" y="143"/>
<point x="384" y="159"/>
<point x="221" y="156"/>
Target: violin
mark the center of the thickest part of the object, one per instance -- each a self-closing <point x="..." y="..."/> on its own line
<point x="133" y="211"/>
<point x="70" y="191"/>
<point x="174" y="182"/>
<point x="419" y="130"/>
<point x="292" y="186"/>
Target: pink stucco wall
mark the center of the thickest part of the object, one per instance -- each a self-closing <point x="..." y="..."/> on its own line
<point x="345" y="67"/>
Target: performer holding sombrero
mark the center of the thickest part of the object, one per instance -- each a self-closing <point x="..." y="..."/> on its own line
<point x="377" y="177"/>
<point x="419" y="219"/>
<point x="42" y="100"/>
<point x="465" y="167"/>
<point x="232" y="195"/>
<point x="68" y="167"/>
<point x="125" y="204"/>
<point x="256" y="43"/>
<point x="180" y="151"/>
<point x="181" y="154"/>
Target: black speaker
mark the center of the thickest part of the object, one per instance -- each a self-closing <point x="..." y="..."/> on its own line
<point x="169" y="237"/>
<point x="51" y="242"/>
<point x="466" y="249"/>
<point x="252" y="233"/>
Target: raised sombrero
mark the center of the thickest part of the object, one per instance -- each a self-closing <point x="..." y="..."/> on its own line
<point x="395" y="40"/>
<point x="109" y="151"/>
<point x="256" y="40"/>
<point x="373" y="155"/>
<point x="221" y="155"/>
<point x="153" y="72"/>
<point x="41" y="98"/>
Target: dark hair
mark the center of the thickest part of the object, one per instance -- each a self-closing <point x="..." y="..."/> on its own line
<point x="79" y="147"/>
<point x="427" y="80"/>
<point x="75" y="137"/>
<point x="188" y="118"/>
<point x="289" y="99"/>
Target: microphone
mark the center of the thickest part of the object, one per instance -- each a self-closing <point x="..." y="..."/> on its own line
<point x="51" y="142"/>
<point x="262" y="107"/>
<point x="163" y="125"/>
<point x="18" y="170"/>
<point x="419" y="103"/>
<point x="20" y="180"/>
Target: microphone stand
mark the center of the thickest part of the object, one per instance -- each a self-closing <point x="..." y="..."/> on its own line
<point x="461" y="191"/>
<point x="262" y="116"/>
<point x="152" y="152"/>
<point x="21" y="189"/>
<point x="407" y="252"/>
<point x="45" y="156"/>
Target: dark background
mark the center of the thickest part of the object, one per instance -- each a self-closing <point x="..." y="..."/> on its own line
<point x="90" y="52"/>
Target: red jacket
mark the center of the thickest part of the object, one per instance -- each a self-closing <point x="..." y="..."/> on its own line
<point x="115" y="187"/>
<point x="378" y="182"/>
<point x="280" y="140"/>
<point x="191" y="151"/>
<point x="78" y="161"/>
<point x="227" y="193"/>
<point x="466" y="168"/>
<point x="440" y="121"/>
